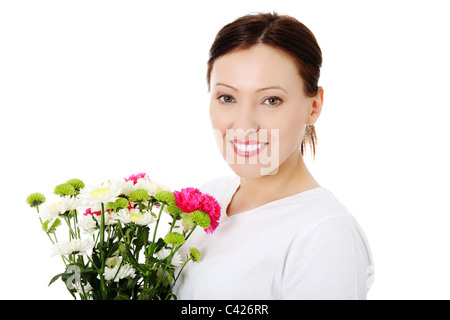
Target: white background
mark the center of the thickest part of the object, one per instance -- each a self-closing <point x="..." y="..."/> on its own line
<point x="103" y="89"/>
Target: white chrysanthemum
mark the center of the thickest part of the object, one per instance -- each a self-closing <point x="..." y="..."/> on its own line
<point x="87" y="288"/>
<point x="49" y="211"/>
<point x="52" y="211"/>
<point x="125" y="271"/>
<point x="134" y="215"/>
<point x="161" y="187"/>
<point x="126" y="186"/>
<point x="111" y="262"/>
<point x="109" y="218"/>
<point x="67" y="204"/>
<point x="147" y="185"/>
<point x="72" y="247"/>
<point x="177" y="260"/>
<point x="87" y="224"/>
<point x="92" y="196"/>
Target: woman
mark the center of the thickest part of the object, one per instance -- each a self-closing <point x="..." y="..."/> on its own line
<point x="281" y="235"/>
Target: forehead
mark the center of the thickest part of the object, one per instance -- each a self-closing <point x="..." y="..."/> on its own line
<point x="256" y="67"/>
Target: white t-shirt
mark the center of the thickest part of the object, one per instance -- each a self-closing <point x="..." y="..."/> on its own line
<point x="305" y="246"/>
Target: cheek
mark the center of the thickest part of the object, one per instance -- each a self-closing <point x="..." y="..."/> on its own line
<point x="291" y="134"/>
<point x="218" y="119"/>
<point x="219" y="124"/>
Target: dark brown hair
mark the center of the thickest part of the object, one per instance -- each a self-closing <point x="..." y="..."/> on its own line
<point x="281" y="32"/>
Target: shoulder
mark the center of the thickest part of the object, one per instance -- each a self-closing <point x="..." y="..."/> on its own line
<point x="328" y="215"/>
<point x="316" y="206"/>
<point x="331" y="250"/>
<point x="326" y="210"/>
<point x="318" y="218"/>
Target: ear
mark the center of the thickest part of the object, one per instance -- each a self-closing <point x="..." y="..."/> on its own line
<point x="316" y="107"/>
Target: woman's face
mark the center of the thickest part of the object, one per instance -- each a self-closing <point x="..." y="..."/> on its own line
<point x="259" y="110"/>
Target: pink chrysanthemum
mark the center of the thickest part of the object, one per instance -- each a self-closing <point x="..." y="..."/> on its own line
<point x="210" y="205"/>
<point x="97" y="213"/>
<point x="136" y="177"/>
<point x="191" y="199"/>
<point x="89" y="211"/>
<point x="188" y="199"/>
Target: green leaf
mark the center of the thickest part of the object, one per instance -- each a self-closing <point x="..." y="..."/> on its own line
<point x="59" y="275"/>
<point x="97" y="294"/>
<point x="55" y="224"/>
<point x="159" y="244"/>
<point x="126" y="253"/>
<point x="174" y="297"/>
<point x="142" y="238"/>
<point x="146" y="294"/>
<point x="151" y="261"/>
<point x="96" y="258"/>
<point x="112" y="249"/>
<point x="45" y="226"/>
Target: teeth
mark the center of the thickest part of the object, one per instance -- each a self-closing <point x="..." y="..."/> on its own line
<point x="248" y="147"/>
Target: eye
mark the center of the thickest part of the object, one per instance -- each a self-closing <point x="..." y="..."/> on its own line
<point x="272" y="101"/>
<point x="226" y="99"/>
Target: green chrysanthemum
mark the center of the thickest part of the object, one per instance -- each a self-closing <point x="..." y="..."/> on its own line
<point x="174" y="238"/>
<point x="139" y="195"/>
<point x="166" y="196"/>
<point x="201" y="218"/>
<point x="76" y="183"/>
<point x="64" y="189"/>
<point x="174" y="211"/>
<point x="195" y="254"/>
<point x="35" y="199"/>
<point x="120" y="203"/>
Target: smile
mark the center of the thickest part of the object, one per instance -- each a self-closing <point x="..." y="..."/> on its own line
<point x="248" y="148"/>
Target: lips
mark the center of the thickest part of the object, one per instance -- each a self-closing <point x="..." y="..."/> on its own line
<point x="248" y="148"/>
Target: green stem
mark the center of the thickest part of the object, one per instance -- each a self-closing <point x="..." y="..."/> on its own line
<point x="190" y="232"/>
<point x="64" y="259"/>
<point x="96" y="238"/>
<point x="176" y="278"/>
<point x="94" y="266"/>
<point x="77" y="230"/>
<point x="72" y="234"/>
<point x="102" y="252"/>
<point x="46" y="231"/>
<point x="172" y="252"/>
<point x="37" y="208"/>
<point x="48" y="235"/>
<point x="169" y="258"/>
<point x="153" y="245"/>
<point x="119" y="227"/>
<point x="83" y="295"/>
<point x="117" y="272"/>
<point x="173" y="223"/>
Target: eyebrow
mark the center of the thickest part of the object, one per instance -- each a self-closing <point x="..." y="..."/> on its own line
<point x="258" y="90"/>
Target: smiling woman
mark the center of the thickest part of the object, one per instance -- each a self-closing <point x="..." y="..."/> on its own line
<point x="251" y="100"/>
<point x="285" y="33"/>
<point x="281" y="235"/>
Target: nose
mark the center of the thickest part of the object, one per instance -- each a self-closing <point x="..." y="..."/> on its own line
<point x="245" y="120"/>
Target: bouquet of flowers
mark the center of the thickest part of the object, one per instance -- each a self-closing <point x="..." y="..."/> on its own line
<point x="114" y="248"/>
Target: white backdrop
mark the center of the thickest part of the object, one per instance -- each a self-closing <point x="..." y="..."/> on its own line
<point x="103" y="89"/>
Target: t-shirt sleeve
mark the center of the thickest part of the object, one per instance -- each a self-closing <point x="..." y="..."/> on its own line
<point x="330" y="262"/>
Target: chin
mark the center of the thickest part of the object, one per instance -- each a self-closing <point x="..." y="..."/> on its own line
<point x="252" y="171"/>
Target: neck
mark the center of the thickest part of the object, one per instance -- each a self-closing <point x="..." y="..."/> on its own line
<point x="291" y="178"/>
